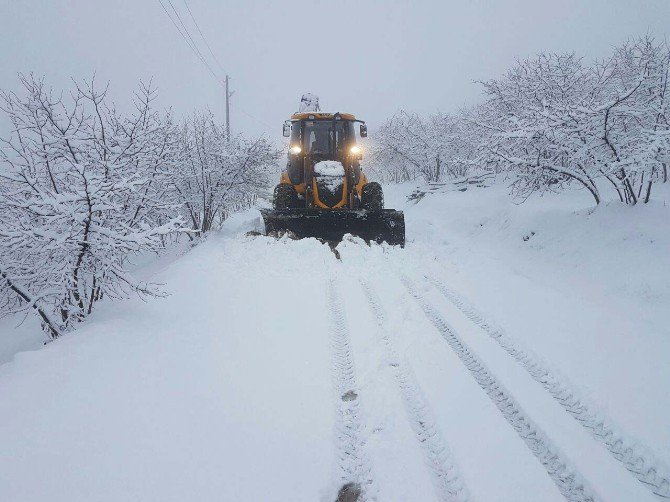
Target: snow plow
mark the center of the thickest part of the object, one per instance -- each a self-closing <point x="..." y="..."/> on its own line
<point x="323" y="191"/>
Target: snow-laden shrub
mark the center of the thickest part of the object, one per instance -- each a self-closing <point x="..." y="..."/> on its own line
<point x="407" y="147"/>
<point x="83" y="187"/>
<point x="557" y="120"/>
<point x="549" y="122"/>
<point x="213" y="174"/>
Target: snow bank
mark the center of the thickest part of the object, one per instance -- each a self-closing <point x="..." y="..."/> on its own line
<point x="18" y="335"/>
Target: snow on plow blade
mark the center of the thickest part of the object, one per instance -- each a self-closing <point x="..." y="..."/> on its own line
<point x="387" y="225"/>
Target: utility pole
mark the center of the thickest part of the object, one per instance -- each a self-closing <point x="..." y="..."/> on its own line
<point x="229" y="93"/>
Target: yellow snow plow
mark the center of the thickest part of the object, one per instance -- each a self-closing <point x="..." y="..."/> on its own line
<point x="323" y="191"/>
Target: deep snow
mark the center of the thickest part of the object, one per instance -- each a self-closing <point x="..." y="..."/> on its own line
<point x="275" y="371"/>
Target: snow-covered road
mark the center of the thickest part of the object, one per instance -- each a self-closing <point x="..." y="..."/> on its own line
<point x="281" y="370"/>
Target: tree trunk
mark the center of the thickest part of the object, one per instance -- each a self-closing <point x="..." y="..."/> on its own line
<point x="648" y="194"/>
<point x="51" y="326"/>
<point x="632" y="199"/>
<point x="616" y="187"/>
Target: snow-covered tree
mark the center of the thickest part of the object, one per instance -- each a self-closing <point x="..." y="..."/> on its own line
<point x="212" y="175"/>
<point x="81" y="188"/>
<point x="439" y="146"/>
<point x="550" y="122"/>
<point x="636" y="123"/>
<point x="556" y="120"/>
<point x="538" y="115"/>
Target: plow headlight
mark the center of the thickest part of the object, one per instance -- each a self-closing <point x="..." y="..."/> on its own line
<point x="295" y="150"/>
<point x="355" y="150"/>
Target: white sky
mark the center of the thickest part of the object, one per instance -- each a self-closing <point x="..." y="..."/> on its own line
<point x="366" y="57"/>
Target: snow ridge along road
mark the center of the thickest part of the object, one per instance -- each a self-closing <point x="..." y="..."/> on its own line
<point x="353" y="462"/>
<point x="568" y="480"/>
<point x="637" y="459"/>
<point x="446" y="478"/>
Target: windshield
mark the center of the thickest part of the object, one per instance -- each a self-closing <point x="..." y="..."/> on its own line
<point x="321" y="137"/>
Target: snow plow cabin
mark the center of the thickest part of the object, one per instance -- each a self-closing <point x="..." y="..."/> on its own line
<point x="323" y="191"/>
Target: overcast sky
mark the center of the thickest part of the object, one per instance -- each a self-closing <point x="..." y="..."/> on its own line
<point x="366" y="57"/>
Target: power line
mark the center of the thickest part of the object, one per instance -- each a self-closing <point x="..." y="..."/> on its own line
<point x="192" y="47"/>
<point x="188" y="33"/>
<point x="209" y="48"/>
<point x="175" y="24"/>
<point x="256" y="119"/>
<point x="185" y="34"/>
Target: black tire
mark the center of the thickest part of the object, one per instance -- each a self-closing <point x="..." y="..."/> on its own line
<point x="285" y="197"/>
<point x="372" y="197"/>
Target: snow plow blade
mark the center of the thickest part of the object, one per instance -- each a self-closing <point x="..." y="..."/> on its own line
<point x="387" y="225"/>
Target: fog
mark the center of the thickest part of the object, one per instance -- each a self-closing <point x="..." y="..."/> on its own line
<point x="370" y="58"/>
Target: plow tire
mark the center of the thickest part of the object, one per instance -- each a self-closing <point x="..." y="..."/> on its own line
<point x="285" y="197"/>
<point x="372" y="197"/>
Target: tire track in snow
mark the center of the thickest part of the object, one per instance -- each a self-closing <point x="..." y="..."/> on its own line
<point x="569" y="481"/>
<point x="353" y="462"/>
<point x="446" y="478"/>
<point x="632" y="454"/>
